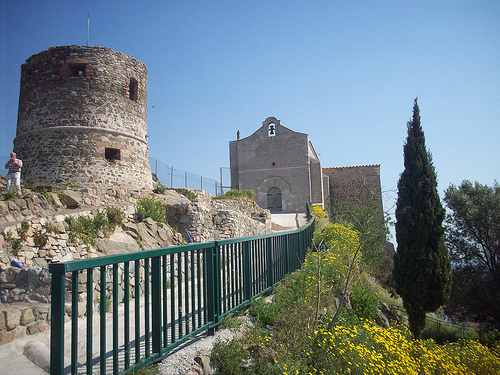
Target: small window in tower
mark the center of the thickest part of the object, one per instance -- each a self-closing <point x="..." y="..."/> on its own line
<point x="133" y="89"/>
<point x="77" y="70"/>
<point x="112" y="154"/>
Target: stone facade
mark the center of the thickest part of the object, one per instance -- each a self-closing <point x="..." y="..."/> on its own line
<point x="276" y="159"/>
<point x="348" y="184"/>
<point x="280" y="165"/>
<point x="83" y="119"/>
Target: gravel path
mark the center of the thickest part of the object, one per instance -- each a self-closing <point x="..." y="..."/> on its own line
<point x="181" y="360"/>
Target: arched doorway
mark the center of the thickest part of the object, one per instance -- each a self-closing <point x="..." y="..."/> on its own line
<point x="274" y="202"/>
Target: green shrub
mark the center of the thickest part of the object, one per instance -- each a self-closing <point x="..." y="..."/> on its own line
<point x="51" y="228"/>
<point x="227" y="358"/>
<point x="151" y="207"/>
<point x="40" y="238"/>
<point x="364" y="304"/>
<point x="87" y="228"/>
<point x="266" y="313"/>
<point x="236" y="194"/>
<point x="160" y="188"/>
<point x="8" y="196"/>
<point x="191" y="195"/>
<point x="115" y="216"/>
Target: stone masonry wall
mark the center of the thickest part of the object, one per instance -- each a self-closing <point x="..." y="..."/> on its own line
<point x="83" y="118"/>
<point x="347" y="184"/>
<point x="25" y="293"/>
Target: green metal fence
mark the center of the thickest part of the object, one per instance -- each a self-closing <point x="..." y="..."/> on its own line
<point x="137" y="307"/>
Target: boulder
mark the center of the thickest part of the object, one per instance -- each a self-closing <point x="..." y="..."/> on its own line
<point x="117" y="243"/>
<point x="71" y="199"/>
<point x="38" y="353"/>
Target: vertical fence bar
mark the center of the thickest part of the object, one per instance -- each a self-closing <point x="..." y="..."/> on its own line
<point x="137" y="312"/>
<point x="156" y="304"/>
<point x="115" y="318"/>
<point x="57" y="321"/>
<point x="102" y="312"/>
<point x="199" y="285"/>
<point x="186" y="290"/>
<point x="165" y="301"/>
<point x="74" y="321"/>
<point x="126" y="312"/>
<point x="90" y="308"/>
<point x="247" y="272"/>
<point x="172" y="295"/>
<point x="179" y="293"/>
<point x="193" y="300"/>
<point x="212" y="296"/>
<point x="269" y="265"/>
<point x="146" y="308"/>
<point x="223" y="262"/>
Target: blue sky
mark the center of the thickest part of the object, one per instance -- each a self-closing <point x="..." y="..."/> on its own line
<point x="345" y="72"/>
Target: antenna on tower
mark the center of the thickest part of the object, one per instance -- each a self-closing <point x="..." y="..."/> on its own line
<point x="88" y="24"/>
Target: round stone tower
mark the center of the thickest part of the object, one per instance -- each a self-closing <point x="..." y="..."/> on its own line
<point x="83" y="119"/>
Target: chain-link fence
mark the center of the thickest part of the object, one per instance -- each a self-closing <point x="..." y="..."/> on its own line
<point x="176" y="178"/>
<point x="443" y="330"/>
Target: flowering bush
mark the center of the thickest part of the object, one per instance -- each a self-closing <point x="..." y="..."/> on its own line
<point x="298" y="342"/>
<point x="150" y="207"/>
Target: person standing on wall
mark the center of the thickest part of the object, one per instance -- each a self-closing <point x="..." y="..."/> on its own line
<point x="14" y="166"/>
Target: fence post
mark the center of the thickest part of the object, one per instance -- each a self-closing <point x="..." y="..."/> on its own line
<point x="57" y="319"/>
<point x="269" y="263"/>
<point x="212" y="295"/>
<point x="156" y="304"/>
<point x="247" y="271"/>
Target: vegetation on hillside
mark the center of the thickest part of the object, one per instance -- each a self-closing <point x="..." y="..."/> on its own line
<point x="294" y="334"/>
<point x="473" y="237"/>
<point x="236" y="194"/>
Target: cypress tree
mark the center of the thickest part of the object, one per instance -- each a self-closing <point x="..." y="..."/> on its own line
<point x="422" y="272"/>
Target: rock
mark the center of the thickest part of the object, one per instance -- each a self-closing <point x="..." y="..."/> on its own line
<point x="27" y="317"/>
<point x="6" y="337"/>
<point x="38" y="326"/>
<point x="71" y="199"/>
<point x="12" y="318"/>
<point x="117" y="243"/>
<point x="38" y="353"/>
<point x="381" y="319"/>
<point x="204" y="362"/>
<point x="9" y="275"/>
<point x="1" y="242"/>
<point x="39" y="298"/>
<point x="2" y="321"/>
<point x="19" y="332"/>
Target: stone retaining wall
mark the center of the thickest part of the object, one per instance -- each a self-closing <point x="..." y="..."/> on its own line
<point x="204" y="218"/>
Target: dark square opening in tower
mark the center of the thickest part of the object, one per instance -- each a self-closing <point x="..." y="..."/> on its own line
<point x="112" y="154"/>
<point x="77" y="70"/>
<point x="133" y="89"/>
